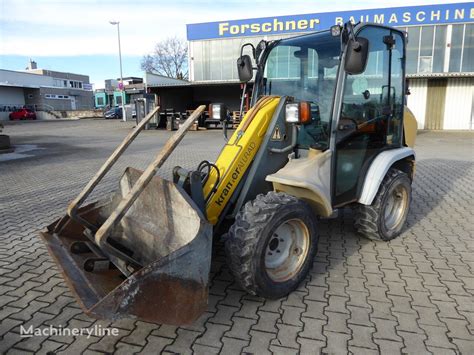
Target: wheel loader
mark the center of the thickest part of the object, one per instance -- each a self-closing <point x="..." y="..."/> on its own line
<point x="327" y="129"/>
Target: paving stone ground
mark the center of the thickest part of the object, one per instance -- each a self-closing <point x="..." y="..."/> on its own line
<point x="412" y="295"/>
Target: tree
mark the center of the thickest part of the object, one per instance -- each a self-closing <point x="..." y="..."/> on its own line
<point x="169" y="58"/>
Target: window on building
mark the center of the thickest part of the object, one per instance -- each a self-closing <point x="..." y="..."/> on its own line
<point x="439" y="49"/>
<point x="456" y="48"/>
<point x="100" y="101"/>
<point x="425" y="63"/>
<point x="228" y="57"/>
<point x="468" y="52"/>
<point x="215" y="60"/>
<point x="198" y="58"/>
<point x="206" y="63"/>
<point x="412" y="49"/>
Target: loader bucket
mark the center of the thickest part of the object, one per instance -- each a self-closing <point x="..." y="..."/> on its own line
<point x="163" y="231"/>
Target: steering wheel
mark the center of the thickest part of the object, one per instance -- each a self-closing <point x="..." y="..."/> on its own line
<point x="345" y="126"/>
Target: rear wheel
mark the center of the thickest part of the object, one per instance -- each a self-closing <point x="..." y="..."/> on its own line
<point x="271" y="245"/>
<point x="385" y="218"/>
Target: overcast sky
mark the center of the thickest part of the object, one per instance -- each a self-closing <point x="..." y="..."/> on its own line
<point x="75" y="35"/>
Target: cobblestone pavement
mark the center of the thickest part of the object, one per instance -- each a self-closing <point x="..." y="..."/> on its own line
<point x="412" y="295"/>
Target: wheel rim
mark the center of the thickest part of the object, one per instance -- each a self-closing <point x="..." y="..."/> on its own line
<point x="396" y="206"/>
<point x="287" y="250"/>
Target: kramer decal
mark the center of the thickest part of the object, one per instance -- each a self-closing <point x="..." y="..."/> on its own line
<point x="239" y="169"/>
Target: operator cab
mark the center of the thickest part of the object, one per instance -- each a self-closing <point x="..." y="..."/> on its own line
<point x="345" y="91"/>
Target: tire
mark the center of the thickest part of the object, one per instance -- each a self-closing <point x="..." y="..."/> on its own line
<point x="385" y="218"/>
<point x="253" y="248"/>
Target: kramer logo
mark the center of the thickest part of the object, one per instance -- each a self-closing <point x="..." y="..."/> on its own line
<point x="235" y="175"/>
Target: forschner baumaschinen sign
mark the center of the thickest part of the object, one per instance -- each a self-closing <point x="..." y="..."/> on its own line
<point x="395" y="16"/>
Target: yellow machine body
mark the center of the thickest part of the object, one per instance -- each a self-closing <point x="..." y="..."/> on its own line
<point x="237" y="155"/>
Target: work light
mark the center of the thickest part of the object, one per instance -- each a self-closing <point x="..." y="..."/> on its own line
<point x="292" y="113"/>
<point x="217" y="112"/>
<point x="335" y="30"/>
<point x="298" y="112"/>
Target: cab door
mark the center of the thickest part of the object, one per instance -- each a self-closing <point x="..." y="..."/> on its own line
<point x="371" y="117"/>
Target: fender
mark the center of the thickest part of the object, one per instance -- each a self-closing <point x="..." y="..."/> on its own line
<point x="378" y="169"/>
<point x="308" y="179"/>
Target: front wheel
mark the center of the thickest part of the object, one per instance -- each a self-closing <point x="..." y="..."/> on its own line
<point x="385" y="218"/>
<point x="271" y="245"/>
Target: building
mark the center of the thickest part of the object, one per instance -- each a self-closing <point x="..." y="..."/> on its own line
<point x="439" y="64"/>
<point x="136" y="88"/>
<point x="43" y="90"/>
<point x="111" y="96"/>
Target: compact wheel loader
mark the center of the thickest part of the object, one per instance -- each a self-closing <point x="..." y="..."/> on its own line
<point x="327" y="129"/>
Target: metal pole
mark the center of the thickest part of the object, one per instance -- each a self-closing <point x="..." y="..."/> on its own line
<point x="124" y="117"/>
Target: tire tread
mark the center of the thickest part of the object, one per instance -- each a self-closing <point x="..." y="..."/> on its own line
<point x="367" y="216"/>
<point x="244" y="235"/>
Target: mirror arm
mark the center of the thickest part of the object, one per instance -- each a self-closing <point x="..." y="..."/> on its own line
<point x="224" y="130"/>
<point x="253" y="50"/>
<point x="357" y="46"/>
<point x="224" y="122"/>
<point x="244" y="90"/>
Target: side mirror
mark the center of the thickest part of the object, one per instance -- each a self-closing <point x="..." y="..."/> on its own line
<point x="244" y="68"/>
<point x="357" y="53"/>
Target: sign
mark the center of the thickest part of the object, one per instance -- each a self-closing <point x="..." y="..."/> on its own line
<point x="397" y="16"/>
<point x="86" y="86"/>
<point x="276" y="134"/>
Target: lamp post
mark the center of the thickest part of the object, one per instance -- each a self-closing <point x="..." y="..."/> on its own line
<point x="124" y="117"/>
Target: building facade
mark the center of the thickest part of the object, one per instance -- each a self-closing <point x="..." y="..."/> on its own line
<point x="111" y="95"/>
<point x="439" y="63"/>
<point x="43" y="90"/>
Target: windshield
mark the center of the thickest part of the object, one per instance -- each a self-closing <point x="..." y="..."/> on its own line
<point x="305" y="68"/>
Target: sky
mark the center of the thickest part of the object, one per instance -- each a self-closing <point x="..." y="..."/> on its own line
<point x="76" y="36"/>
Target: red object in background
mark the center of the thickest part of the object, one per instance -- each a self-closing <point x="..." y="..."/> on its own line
<point x="22" y="114"/>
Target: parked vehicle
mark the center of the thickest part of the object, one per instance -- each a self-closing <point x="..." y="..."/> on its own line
<point x="114" y="112"/>
<point x="22" y="114"/>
